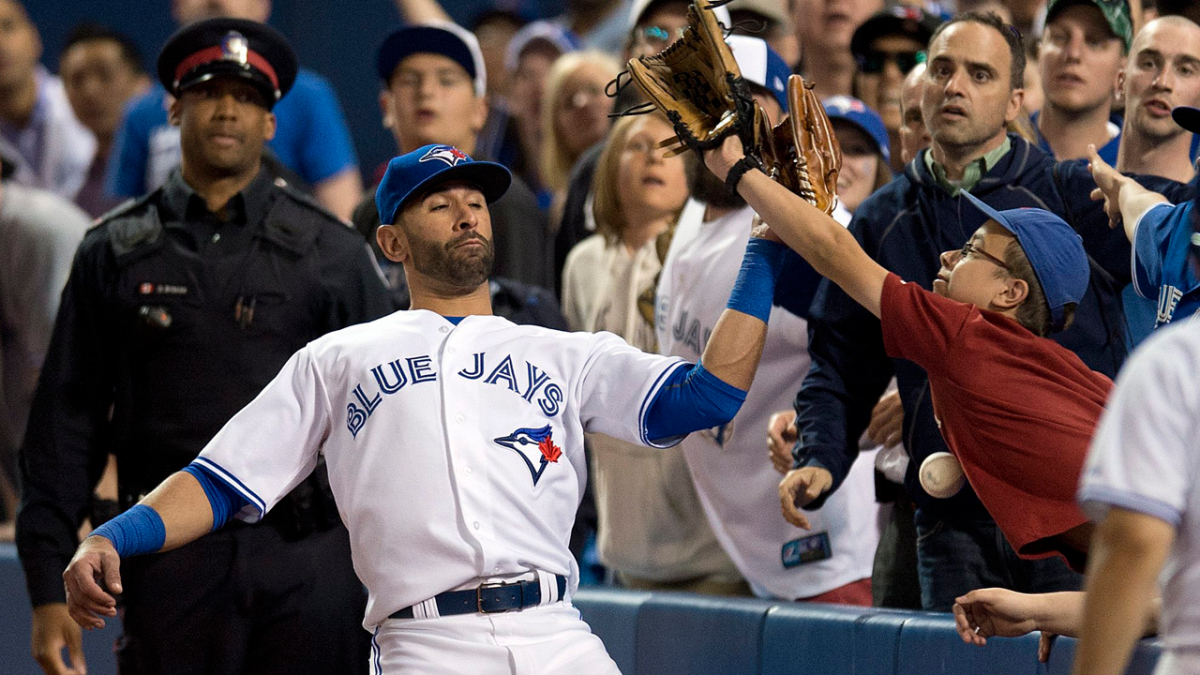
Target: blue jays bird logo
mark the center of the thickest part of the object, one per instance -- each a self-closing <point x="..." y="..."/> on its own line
<point x="541" y="439"/>
<point x="445" y="153"/>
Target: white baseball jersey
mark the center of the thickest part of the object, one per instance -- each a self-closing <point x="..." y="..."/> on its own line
<point x="1145" y="457"/>
<point x="733" y="474"/>
<point x="455" y="453"/>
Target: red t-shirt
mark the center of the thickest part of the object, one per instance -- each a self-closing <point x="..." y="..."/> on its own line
<point x="1017" y="410"/>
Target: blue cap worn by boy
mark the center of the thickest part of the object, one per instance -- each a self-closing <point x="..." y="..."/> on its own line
<point x="1054" y="250"/>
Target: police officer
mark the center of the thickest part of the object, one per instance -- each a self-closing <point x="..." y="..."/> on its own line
<point x="180" y="307"/>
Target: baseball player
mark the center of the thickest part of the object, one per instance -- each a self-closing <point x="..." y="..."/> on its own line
<point x="736" y="485"/>
<point x="454" y="442"/>
<point x="995" y="381"/>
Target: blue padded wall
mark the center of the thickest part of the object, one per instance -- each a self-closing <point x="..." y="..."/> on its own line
<point x="612" y="614"/>
<point x="794" y="633"/>
<point x="929" y="645"/>
<point x="690" y="634"/>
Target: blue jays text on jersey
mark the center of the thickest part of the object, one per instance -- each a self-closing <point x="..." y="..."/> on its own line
<point x="688" y="331"/>
<point x="535" y="385"/>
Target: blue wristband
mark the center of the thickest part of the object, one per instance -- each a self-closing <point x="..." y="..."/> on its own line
<point x="139" y="530"/>
<point x="754" y="291"/>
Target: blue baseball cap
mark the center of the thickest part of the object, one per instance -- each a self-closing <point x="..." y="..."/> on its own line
<point x="761" y="65"/>
<point x="435" y="37"/>
<point x="1054" y="249"/>
<point x="411" y="174"/>
<point x="857" y="113"/>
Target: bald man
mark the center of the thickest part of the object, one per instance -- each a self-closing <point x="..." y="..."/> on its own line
<point x="914" y="135"/>
<point x="1162" y="72"/>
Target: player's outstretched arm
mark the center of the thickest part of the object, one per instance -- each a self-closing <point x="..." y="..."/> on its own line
<point x="822" y="241"/>
<point x="177" y="512"/>
<point x="736" y="343"/>
<point x="1124" y="199"/>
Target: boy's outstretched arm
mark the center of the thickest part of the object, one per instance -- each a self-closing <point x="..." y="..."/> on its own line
<point x="822" y="241"/>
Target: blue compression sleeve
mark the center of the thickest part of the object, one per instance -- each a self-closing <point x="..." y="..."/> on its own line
<point x="139" y="530"/>
<point x="692" y="399"/>
<point x="224" y="500"/>
<point x="754" y="290"/>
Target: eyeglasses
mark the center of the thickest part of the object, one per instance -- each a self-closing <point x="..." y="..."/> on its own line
<point x="874" y="62"/>
<point x="969" y="248"/>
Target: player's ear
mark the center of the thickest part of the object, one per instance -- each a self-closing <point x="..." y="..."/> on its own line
<point x="174" y="112"/>
<point x="1014" y="293"/>
<point x="393" y="241"/>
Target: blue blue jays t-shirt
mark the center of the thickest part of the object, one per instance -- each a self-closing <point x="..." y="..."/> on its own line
<point x="1161" y="269"/>
<point x="311" y="138"/>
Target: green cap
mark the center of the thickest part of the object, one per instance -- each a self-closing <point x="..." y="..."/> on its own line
<point x="1116" y="13"/>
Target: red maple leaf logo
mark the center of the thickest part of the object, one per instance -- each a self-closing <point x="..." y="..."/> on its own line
<point x="550" y="451"/>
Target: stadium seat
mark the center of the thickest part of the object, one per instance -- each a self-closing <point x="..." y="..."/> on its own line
<point x="684" y="634"/>
<point x="612" y="614"/>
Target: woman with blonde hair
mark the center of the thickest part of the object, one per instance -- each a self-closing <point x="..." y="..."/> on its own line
<point x="652" y="529"/>
<point x="574" y="115"/>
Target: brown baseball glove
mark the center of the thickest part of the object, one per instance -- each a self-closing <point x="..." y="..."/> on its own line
<point x="697" y="83"/>
<point x="805" y="155"/>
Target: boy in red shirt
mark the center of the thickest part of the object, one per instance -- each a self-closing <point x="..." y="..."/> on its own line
<point x="1016" y="408"/>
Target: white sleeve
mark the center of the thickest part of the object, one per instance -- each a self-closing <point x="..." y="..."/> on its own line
<point x="616" y="388"/>
<point x="273" y="443"/>
<point x="1144" y="453"/>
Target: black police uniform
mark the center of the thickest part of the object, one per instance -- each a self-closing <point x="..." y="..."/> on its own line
<point x="174" y="319"/>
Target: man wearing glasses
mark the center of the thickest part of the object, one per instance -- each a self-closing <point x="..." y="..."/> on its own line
<point x="886" y="48"/>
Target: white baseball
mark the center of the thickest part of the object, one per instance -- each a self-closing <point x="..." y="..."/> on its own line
<point x="941" y="475"/>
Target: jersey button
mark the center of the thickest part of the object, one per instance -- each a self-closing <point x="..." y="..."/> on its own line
<point x="460" y="419"/>
<point x="476" y="524"/>
<point x="468" y="469"/>
<point x="444" y="329"/>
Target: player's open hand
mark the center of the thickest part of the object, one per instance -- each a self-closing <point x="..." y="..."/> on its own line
<point x="781" y="436"/>
<point x="799" y="488"/>
<point x="721" y="159"/>
<point x="1108" y="185"/>
<point x="53" y="630"/>
<point x="887" y="421"/>
<point x="95" y="563"/>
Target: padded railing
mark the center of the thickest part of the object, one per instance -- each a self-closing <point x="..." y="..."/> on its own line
<point x="680" y="634"/>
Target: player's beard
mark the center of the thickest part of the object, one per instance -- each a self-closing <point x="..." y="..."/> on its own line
<point x="703" y="186"/>
<point x="449" y="265"/>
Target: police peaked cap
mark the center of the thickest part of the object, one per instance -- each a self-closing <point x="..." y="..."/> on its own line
<point x="224" y="47"/>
